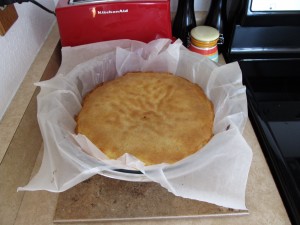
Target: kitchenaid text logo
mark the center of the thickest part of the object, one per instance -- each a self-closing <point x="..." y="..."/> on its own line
<point x="101" y="12"/>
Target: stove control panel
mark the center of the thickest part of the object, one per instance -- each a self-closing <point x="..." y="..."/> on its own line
<point x="275" y="5"/>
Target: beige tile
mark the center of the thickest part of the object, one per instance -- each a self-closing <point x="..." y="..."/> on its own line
<point x="17" y="164"/>
<point x="104" y="199"/>
<point x="37" y="207"/>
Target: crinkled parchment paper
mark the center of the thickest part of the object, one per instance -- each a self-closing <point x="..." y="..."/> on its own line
<point x="216" y="174"/>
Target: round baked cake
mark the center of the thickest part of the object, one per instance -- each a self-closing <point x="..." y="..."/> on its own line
<point x="156" y="117"/>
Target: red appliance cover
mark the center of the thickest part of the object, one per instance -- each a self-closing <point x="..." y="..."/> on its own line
<point x="110" y="20"/>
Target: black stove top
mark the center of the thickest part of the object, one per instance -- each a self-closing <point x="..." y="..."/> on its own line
<point x="273" y="91"/>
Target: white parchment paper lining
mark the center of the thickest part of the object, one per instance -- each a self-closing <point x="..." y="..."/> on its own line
<point x="217" y="174"/>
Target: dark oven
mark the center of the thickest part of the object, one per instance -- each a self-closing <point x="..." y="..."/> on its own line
<point x="264" y="37"/>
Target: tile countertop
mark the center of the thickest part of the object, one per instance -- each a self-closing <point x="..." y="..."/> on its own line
<point x="21" y="153"/>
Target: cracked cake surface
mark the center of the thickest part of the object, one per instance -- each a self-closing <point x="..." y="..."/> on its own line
<point x="156" y="117"/>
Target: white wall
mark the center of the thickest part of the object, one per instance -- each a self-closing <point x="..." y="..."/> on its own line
<point x="21" y="44"/>
<point x="200" y="5"/>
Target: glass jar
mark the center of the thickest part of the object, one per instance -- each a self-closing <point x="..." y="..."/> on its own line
<point x="204" y="40"/>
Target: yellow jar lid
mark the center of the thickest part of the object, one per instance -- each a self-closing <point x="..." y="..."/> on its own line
<point x="205" y="33"/>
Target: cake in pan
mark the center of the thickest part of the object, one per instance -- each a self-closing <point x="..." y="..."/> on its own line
<point x="156" y="117"/>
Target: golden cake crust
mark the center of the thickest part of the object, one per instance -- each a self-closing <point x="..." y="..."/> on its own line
<point x="157" y="117"/>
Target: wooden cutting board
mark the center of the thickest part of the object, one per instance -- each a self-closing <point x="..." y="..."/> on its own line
<point x="104" y="199"/>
